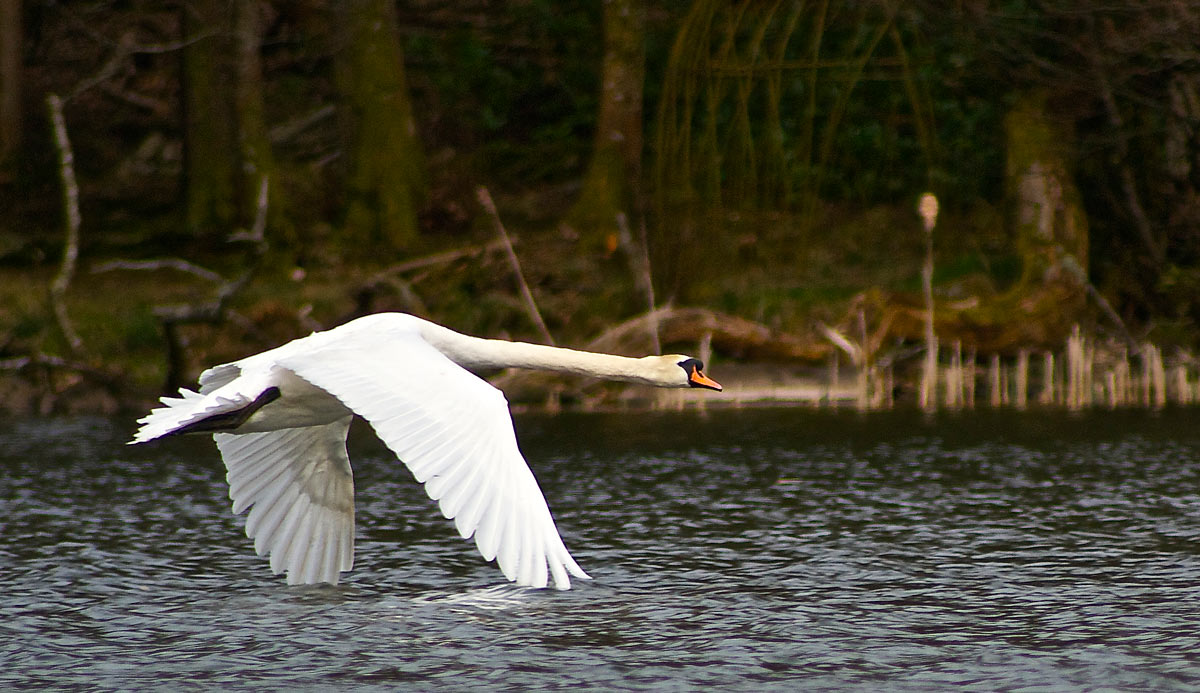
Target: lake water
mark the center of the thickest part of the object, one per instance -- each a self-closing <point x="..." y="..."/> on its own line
<point x="774" y="549"/>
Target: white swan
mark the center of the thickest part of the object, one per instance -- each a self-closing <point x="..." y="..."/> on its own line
<point x="280" y="420"/>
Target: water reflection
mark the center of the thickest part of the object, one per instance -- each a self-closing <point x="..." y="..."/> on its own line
<point x="746" y="550"/>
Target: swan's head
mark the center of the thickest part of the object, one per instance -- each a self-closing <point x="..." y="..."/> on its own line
<point x="677" y="370"/>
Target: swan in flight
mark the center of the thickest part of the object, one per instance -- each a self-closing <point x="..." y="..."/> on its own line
<point x="280" y="420"/>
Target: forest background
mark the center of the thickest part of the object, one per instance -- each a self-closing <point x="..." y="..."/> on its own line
<point x="182" y="183"/>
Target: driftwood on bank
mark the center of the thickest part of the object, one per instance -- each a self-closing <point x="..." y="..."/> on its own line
<point x="732" y="335"/>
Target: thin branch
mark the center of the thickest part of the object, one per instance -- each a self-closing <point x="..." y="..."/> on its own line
<point x="108" y="69"/>
<point x="172" y="263"/>
<point x="58" y="288"/>
<point x="402" y="287"/>
<point x="256" y="232"/>
<point x="1141" y="221"/>
<point x="20" y="363"/>
<point x="171" y="46"/>
<point x="438" y="259"/>
<point x="123" y="50"/>
<point x="842" y="342"/>
<point x="255" y="235"/>
<point x="1073" y="268"/>
<point x="639" y="260"/>
<point x="390" y="276"/>
<point x="485" y="199"/>
<point x="156" y="106"/>
<point x="87" y="27"/>
<point x="285" y="131"/>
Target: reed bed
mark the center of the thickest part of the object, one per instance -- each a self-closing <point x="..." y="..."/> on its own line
<point x="1082" y="375"/>
<point x="1085" y="373"/>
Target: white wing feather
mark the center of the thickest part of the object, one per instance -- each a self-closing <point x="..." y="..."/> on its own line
<point x="299" y="488"/>
<point x="454" y="432"/>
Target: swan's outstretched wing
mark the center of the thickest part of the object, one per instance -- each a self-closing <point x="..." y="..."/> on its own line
<point x="454" y="432"/>
<point x="300" y="491"/>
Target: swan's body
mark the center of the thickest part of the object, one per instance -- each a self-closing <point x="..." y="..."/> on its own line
<point x="280" y="420"/>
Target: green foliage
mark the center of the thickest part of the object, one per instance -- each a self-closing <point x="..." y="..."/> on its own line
<point x="520" y="91"/>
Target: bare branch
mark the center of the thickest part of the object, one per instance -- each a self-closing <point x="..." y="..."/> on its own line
<point x="169" y="46"/>
<point x="1141" y="221"/>
<point x="286" y="131"/>
<point x="390" y="277"/>
<point x="255" y="233"/>
<point x="387" y="274"/>
<point x="639" y="261"/>
<point x="842" y="342"/>
<point x="1071" y="265"/>
<point x="20" y="363"/>
<point x="489" y="206"/>
<point x="156" y="106"/>
<point x="123" y="49"/>
<point x="172" y="263"/>
<point x="58" y="288"/>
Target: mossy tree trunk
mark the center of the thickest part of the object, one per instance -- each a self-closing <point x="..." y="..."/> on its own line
<point x="10" y="83"/>
<point x="1051" y="232"/>
<point x="227" y="151"/>
<point x="611" y="184"/>
<point x="1046" y="205"/>
<point x="386" y="176"/>
<point x="255" y="159"/>
<point x="209" y="160"/>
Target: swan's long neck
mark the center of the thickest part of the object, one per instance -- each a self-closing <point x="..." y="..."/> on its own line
<point x="477" y="353"/>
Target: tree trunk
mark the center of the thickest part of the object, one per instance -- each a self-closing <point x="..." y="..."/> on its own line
<point x="386" y="176"/>
<point x="1182" y="149"/>
<point x="254" y="146"/>
<point x="1048" y="211"/>
<point x="209" y="132"/>
<point x="611" y="184"/>
<point x="1051" y="238"/>
<point x="227" y="151"/>
<point x="10" y="83"/>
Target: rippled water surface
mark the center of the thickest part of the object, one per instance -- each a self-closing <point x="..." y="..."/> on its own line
<point x="740" y="550"/>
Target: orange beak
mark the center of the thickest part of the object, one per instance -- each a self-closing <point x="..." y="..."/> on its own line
<point x="698" y="379"/>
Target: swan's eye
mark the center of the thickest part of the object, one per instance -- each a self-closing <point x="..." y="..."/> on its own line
<point x="690" y="366"/>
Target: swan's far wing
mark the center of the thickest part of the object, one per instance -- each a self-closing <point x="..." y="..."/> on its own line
<point x="300" y="490"/>
<point x="454" y="432"/>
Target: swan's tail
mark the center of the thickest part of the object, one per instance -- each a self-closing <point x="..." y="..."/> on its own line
<point x="193" y="412"/>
